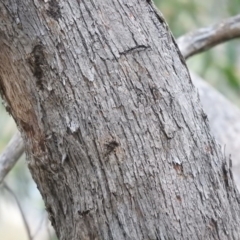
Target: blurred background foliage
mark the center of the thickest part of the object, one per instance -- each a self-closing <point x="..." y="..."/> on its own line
<point x="219" y="67"/>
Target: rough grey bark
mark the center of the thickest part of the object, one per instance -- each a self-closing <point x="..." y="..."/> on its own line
<point x="116" y="139"/>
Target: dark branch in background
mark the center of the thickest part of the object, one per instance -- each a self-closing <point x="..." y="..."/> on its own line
<point x="20" y="209"/>
<point x="206" y="38"/>
<point x="10" y="155"/>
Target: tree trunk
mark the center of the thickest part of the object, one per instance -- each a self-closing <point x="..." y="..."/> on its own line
<point x="115" y="136"/>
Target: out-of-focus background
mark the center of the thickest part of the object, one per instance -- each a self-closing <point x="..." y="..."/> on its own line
<point x="218" y="66"/>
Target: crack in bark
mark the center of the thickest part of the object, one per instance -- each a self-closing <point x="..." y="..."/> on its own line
<point x="36" y="61"/>
<point x="54" y="10"/>
<point x="110" y="147"/>
<point x="138" y="48"/>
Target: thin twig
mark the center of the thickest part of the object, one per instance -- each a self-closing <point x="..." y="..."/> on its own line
<point x="48" y="228"/>
<point x="10" y="155"/>
<point x="44" y="214"/>
<point x="20" y="209"/>
<point x="205" y="38"/>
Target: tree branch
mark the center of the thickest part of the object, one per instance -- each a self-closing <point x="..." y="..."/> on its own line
<point x="205" y="38"/>
<point x="189" y="44"/>
<point x="10" y="155"/>
<point x="20" y="209"/>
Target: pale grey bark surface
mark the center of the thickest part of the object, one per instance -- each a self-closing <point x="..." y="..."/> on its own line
<point x="223" y="119"/>
<point x="116" y="139"/>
